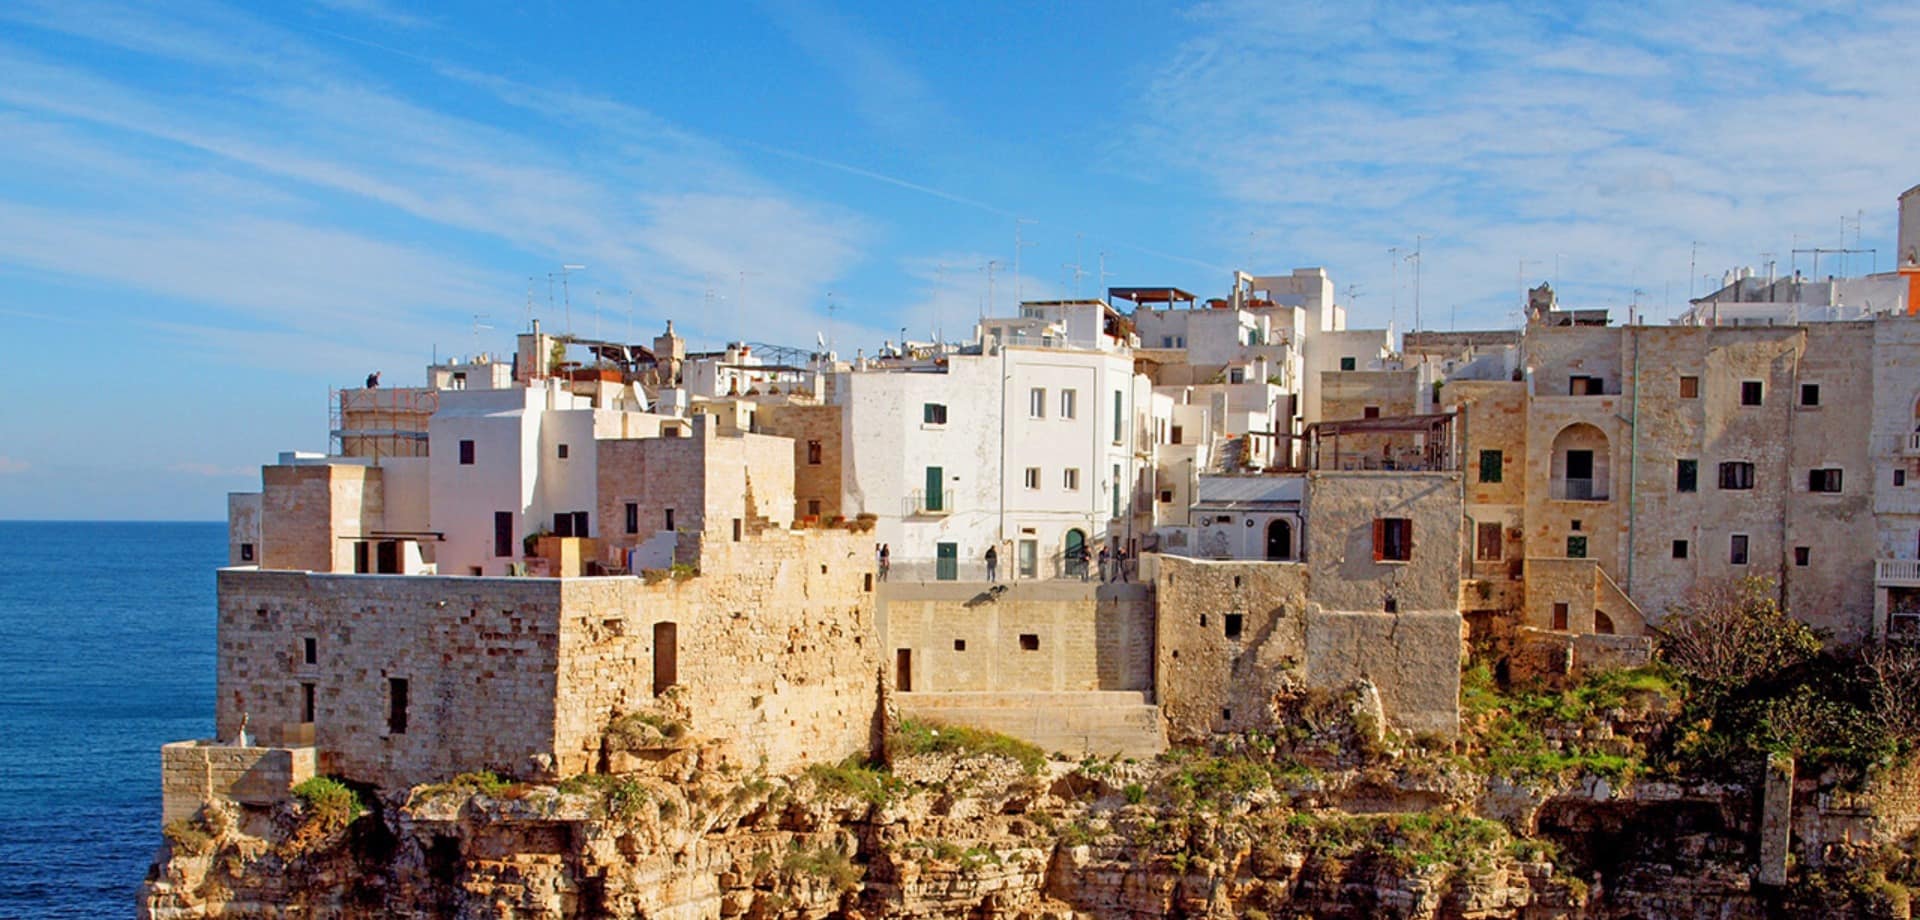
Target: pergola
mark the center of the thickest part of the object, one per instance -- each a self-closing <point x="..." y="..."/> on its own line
<point x="1436" y="451"/>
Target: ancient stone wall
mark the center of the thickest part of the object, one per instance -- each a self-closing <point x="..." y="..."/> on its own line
<point x="815" y="431"/>
<point x="313" y="512"/>
<point x="705" y="481"/>
<point x="1413" y="659"/>
<point x="195" y="772"/>
<point x="1031" y="636"/>
<point x="1341" y="509"/>
<point x="1350" y="394"/>
<point x="1230" y="636"/>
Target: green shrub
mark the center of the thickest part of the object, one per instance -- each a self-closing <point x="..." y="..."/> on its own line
<point x="620" y="796"/>
<point x="823" y="861"/>
<point x="188" y="838"/>
<point x="330" y="802"/>
<point x="638" y="731"/>
<point x="855" y="777"/>
<point x="1135" y="793"/>
<point x="917" y="737"/>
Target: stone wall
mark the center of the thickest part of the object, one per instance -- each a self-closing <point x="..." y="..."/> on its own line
<point x="816" y="485"/>
<point x="707" y="481"/>
<point x="314" y="512"/>
<point x="193" y="773"/>
<point x="243" y="528"/>
<point x="1091" y="723"/>
<point x="1349" y="394"/>
<point x="965" y="638"/>
<point x="1230" y="636"/>
<point x="1340" y="511"/>
<point x="1413" y="658"/>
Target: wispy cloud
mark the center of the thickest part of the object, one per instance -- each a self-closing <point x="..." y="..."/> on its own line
<point x="886" y="91"/>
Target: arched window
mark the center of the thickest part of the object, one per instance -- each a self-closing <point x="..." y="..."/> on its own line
<point x="1279" y="539"/>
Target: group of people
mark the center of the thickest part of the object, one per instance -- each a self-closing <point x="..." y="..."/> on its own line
<point x="1113" y="562"/>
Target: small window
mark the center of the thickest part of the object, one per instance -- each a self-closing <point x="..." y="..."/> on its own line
<point x="813" y="507"/>
<point x="1689" y="388"/>
<point x="1491" y="465"/>
<point x="1166" y="496"/>
<point x="503" y="533"/>
<point x="1069" y="403"/>
<point x="1070" y="478"/>
<point x="1736" y="475"/>
<point x="1234" y="622"/>
<point x="563" y="452"/>
<point x="813" y="453"/>
<point x="1029" y="642"/>
<point x="1751" y="392"/>
<point x="310" y="650"/>
<point x="1809" y="395"/>
<point x="1574" y="525"/>
<point x="396" y="705"/>
<point x="1033" y="477"/>
<point x="1576" y="547"/>
<point x="1370" y="412"/>
<point x="1585" y="385"/>
<point x="633" y="517"/>
<point x="1802" y="556"/>
<point x="1823" y="480"/>
<point x="1686" y="476"/>
<point x="1899" y="479"/>
<point x="1237" y="375"/>
<point x="246" y="549"/>
<point x="934" y="413"/>
<point x="1560" y="617"/>
<point x="1175" y="435"/>
<point x="959" y="645"/>
<point x="669" y="516"/>
<point x="1487" y="545"/>
<point x="306" y="703"/>
<point x="1037" y="402"/>
<point x="1391" y="605"/>
<point x="1347" y="364"/>
<point x="1392" y="539"/>
<point x="1737" y="549"/>
<point x="739" y="529"/>
<point x="1679" y="549"/>
<point x="466" y="453"/>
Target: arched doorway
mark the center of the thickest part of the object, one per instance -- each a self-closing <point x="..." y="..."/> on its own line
<point x="1074" y="555"/>
<point x="1602" y="623"/>
<point x="1279" y="539"/>
<point x="1581" y="470"/>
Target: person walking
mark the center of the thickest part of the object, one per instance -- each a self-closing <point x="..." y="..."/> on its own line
<point x="993" y="564"/>
<point x="883" y="561"/>
<point x="1105" y="558"/>
<point x="1120" y="560"/>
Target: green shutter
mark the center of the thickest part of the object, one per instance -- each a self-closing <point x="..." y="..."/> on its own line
<point x="1490" y="465"/>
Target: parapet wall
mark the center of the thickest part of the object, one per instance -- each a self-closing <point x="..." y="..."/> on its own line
<point x="194" y="772"/>
<point x="1231" y="637"/>
<point x="1056" y="636"/>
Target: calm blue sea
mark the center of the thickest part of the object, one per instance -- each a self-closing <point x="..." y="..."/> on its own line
<point x="106" y="652"/>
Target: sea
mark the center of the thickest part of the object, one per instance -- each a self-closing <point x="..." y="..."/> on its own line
<point x="106" y="653"/>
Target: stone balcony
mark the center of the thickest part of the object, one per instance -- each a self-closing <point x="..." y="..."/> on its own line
<point x="1896" y="573"/>
<point x="1910" y="444"/>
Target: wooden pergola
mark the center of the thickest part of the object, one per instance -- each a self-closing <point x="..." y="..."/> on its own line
<point x="1436" y="451"/>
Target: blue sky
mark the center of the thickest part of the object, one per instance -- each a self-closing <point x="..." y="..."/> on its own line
<point x="210" y="213"/>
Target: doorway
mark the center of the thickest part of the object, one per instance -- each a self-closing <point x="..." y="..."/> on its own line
<point x="1279" y="539"/>
<point x="666" y="657"/>
<point x="903" y="670"/>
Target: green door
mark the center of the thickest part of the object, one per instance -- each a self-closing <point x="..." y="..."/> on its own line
<point x="935" y="478"/>
<point x="946" y="561"/>
<point x="1073" y="556"/>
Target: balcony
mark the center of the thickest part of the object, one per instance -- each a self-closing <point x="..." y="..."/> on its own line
<point x="1912" y="446"/>
<point x="1896" y="573"/>
<point x="920" y="503"/>
<point x="1580" y="490"/>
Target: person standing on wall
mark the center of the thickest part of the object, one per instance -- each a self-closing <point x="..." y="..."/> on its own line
<point x="993" y="563"/>
<point x="883" y="561"/>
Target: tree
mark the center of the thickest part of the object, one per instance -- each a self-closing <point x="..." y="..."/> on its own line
<point x="1726" y="634"/>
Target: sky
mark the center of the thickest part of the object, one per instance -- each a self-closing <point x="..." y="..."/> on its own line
<point x="210" y="214"/>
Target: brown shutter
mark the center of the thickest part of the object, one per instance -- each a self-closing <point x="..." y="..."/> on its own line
<point x="1379" y="539"/>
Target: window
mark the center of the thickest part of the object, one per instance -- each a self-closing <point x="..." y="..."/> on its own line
<point x="1070" y="479"/>
<point x="813" y="453"/>
<point x="739" y="529"/>
<point x="633" y="517"/>
<point x="1823" y="480"/>
<point x="1686" y="476"/>
<point x="669" y="516"/>
<point x="1029" y="642"/>
<point x="1802" y="556"/>
<point x="563" y="452"/>
<point x="396" y="705"/>
<point x="1033" y="477"/>
<point x="246" y="549"/>
<point x="1119" y="414"/>
<point x="1174" y="438"/>
<point x="1237" y="375"/>
<point x="1037" y="402"/>
<point x="1750" y="392"/>
<point x="1487" y="542"/>
<point x="1809" y="394"/>
<point x="813" y="507"/>
<point x="310" y="650"/>
<point x="1736" y="475"/>
<point x="1166" y="496"/>
<point x="503" y="533"/>
<point x="466" y="453"/>
<point x="1560" y="617"/>
<point x="1679" y="549"/>
<point x="306" y="703"/>
<point x="1069" y="403"/>
<point x="1347" y="364"/>
<point x="1737" y="549"/>
<point x="1689" y="388"/>
<point x="959" y="645"/>
<point x="1392" y="539"/>
<point x="1490" y="465"/>
<point x="1583" y="385"/>
<point x="1116" y="490"/>
<point x="1370" y="412"/>
<point x="1234" y="623"/>
<point x="1899" y="479"/>
<point x="934" y="413"/>
<point x="1576" y="547"/>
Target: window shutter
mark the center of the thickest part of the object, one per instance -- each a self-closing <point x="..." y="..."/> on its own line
<point x="1379" y="539"/>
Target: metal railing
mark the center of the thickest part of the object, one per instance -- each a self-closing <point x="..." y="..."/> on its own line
<point x="1580" y="490"/>
<point x="1049" y="568"/>
<point x="920" y="503"/>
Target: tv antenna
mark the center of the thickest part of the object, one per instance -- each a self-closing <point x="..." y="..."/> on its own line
<point x="565" y="294"/>
<point x="1019" y="283"/>
<point x="477" y="326"/>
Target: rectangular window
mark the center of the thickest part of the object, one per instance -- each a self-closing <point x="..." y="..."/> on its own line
<point x="739" y="529"/>
<point x="503" y="533"/>
<point x="1487" y="542"/>
<point x="1070" y="479"/>
<point x="1370" y="412"/>
<point x="1237" y="375"/>
<point x="1583" y="385"/>
<point x="1490" y="465"/>
<point x="1069" y="403"/>
<point x="1033" y="477"/>
<point x="1751" y="392"/>
<point x="1679" y="549"/>
<point x="1116" y="490"/>
<point x="669" y="515"/>
<point x="1560" y="617"/>
<point x="1823" y="480"/>
<point x="1737" y="549"/>
<point x="813" y="453"/>
<point x="563" y="452"/>
<point x="1037" y="402"/>
<point x="1899" y="479"/>
<point x="1175" y="437"/>
<point x="306" y="703"/>
<point x="1809" y="394"/>
<point x="1576" y="547"/>
<point x="1119" y="415"/>
<point x="934" y="413"/>
<point x="246" y="549"/>
<point x="1802" y="556"/>
<point x="1392" y="539"/>
<point x="1347" y="364"/>
<point x="1234" y="624"/>
<point x="1689" y="388"/>
<point x="1166" y="496"/>
<point x="1686" y="476"/>
<point x="396" y="705"/>
<point x="310" y="650"/>
<point x="1029" y="642"/>
<point x="633" y="517"/>
<point x="813" y="507"/>
<point x="466" y="453"/>
<point x="1736" y="475"/>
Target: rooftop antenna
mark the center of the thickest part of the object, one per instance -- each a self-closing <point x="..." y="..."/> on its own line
<point x="1075" y="266"/>
<point x="991" y="265"/>
<point x="477" y="326"/>
<point x="832" y="310"/>
<point x="1415" y="259"/>
<point x="565" y="294"/>
<point x="1019" y="283"/>
<point x="1393" y="302"/>
<point x="529" y="301"/>
<point x="1103" y="275"/>
<point x="740" y="300"/>
<point x="1693" y="268"/>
